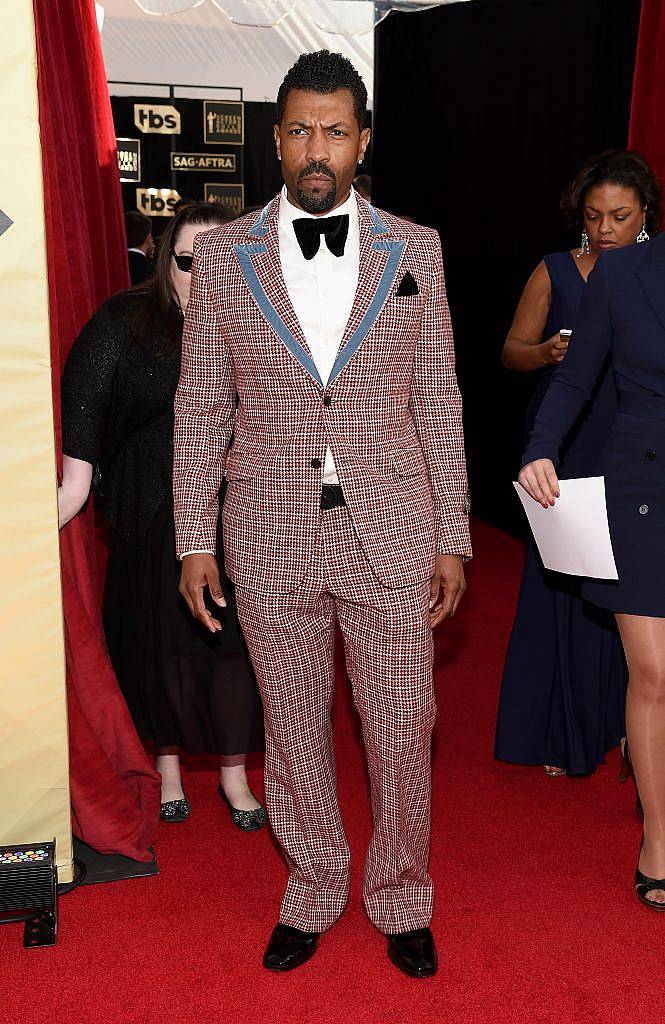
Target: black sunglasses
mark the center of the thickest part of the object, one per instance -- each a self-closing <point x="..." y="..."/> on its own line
<point x="183" y="263"/>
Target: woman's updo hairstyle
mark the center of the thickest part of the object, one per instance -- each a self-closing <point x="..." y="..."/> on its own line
<point x="615" y="167"/>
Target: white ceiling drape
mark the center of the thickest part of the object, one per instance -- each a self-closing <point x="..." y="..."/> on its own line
<point x="345" y="17"/>
<point x="237" y="43"/>
<point x="202" y="47"/>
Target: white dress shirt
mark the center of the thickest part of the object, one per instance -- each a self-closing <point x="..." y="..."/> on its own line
<point x="322" y="290"/>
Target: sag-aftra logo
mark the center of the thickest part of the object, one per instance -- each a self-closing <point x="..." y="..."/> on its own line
<point x="203" y="162"/>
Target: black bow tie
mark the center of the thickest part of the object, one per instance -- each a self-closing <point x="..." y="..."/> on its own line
<point x="309" y="230"/>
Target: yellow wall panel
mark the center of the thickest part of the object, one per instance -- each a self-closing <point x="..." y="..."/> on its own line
<point x="34" y="771"/>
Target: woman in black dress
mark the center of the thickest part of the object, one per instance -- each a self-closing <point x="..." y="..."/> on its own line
<point x="564" y="708"/>
<point x="185" y="688"/>
<point x="622" y="318"/>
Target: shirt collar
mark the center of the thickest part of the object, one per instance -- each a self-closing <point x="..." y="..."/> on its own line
<point x="288" y="212"/>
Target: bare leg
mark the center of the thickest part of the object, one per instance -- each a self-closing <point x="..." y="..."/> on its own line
<point x="168" y="766"/>
<point x="644" y="643"/>
<point x="233" y="780"/>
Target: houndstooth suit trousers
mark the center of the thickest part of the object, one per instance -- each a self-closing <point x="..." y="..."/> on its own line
<point x="389" y="651"/>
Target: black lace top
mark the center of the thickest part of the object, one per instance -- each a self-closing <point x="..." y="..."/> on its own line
<point x="117" y="409"/>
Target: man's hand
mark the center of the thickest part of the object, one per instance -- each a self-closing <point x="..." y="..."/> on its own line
<point x="449" y="578"/>
<point x="539" y="479"/>
<point x="199" y="571"/>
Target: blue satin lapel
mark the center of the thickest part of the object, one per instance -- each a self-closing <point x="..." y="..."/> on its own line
<point x="245" y="255"/>
<point x="380" y="258"/>
<point x="394" y="248"/>
<point x="260" y="228"/>
<point x="379" y="261"/>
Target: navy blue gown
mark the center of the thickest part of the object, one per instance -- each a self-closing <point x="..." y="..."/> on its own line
<point x="564" y="681"/>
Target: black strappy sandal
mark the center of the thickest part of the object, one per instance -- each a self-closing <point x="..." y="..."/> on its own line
<point x="644" y="885"/>
<point x="627" y="771"/>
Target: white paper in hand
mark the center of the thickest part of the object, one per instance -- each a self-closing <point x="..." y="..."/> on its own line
<point x="574" y="536"/>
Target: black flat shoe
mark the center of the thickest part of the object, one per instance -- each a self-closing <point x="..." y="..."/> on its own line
<point x="289" y="948"/>
<point x="414" y="953"/>
<point x="246" y="821"/>
<point x="175" y="810"/>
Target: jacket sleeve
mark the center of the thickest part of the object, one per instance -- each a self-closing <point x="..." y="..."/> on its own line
<point x="574" y="379"/>
<point x="436" y="406"/>
<point x="87" y="384"/>
<point x="204" y="413"/>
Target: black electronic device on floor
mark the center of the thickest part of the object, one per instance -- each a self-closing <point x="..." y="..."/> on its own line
<point x="29" y="891"/>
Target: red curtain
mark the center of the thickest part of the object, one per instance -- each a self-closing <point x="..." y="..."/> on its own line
<point x="647" y="117"/>
<point x="115" y="791"/>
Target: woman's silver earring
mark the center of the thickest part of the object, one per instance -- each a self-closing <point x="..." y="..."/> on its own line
<point x="643" y="235"/>
<point x="584" y="245"/>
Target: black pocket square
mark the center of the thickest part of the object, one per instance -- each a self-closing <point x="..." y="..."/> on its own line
<point x="407" y="286"/>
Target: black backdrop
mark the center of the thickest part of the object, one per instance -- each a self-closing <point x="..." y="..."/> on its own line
<point x="483" y="111"/>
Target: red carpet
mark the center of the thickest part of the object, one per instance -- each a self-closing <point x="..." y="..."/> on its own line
<point x="536" y="920"/>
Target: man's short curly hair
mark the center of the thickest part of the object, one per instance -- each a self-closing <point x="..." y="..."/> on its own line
<point x="324" y="72"/>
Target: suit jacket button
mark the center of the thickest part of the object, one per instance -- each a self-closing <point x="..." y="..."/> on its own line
<point x="316" y="463"/>
<point x="650" y="455"/>
<point x="327" y="400"/>
<point x="643" y="509"/>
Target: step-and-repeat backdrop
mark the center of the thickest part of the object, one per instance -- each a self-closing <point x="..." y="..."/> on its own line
<point x="180" y="148"/>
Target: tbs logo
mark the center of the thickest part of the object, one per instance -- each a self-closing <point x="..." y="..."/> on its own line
<point x="156" y="202"/>
<point x="156" y="120"/>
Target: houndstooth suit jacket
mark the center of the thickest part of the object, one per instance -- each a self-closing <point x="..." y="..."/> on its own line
<point x="390" y="412"/>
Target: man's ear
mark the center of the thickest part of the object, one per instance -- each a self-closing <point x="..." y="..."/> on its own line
<point x="278" y="143"/>
<point x="364" y="142"/>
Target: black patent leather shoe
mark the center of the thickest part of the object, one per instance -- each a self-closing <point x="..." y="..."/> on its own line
<point x="414" y="953"/>
<point x="246" y="821"/>
<point x="289" y="948"/>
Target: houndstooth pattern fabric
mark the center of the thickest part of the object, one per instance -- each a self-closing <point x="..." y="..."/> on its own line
<point x="388" y="645"/>
<point x="391" y="412"/>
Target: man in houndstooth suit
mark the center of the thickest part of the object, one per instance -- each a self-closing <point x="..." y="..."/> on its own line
<point x="346" y="500"/>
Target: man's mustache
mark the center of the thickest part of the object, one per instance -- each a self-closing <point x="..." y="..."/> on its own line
<point x="316" y="168"/>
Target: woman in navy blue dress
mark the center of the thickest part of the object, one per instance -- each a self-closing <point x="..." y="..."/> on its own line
<point x="622" y="319"/>
<point x="564" y="682"/>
